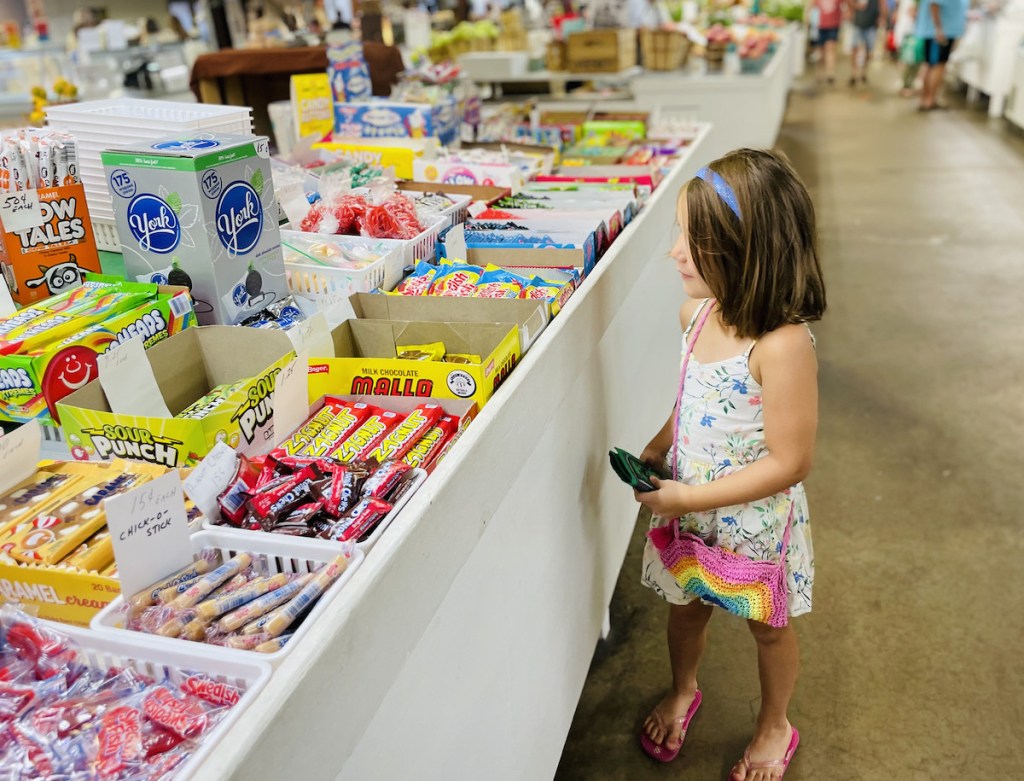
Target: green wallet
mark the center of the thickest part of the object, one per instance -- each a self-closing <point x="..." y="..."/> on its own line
<point x="631" y="470"/>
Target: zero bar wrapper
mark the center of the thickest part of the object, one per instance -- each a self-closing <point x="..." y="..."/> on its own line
<point x="367" y="436"/>
<point x="406" y="434"/>
<point x="348" y="419"/>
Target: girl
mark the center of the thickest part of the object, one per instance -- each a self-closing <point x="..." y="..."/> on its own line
<point x="744" y="430"/>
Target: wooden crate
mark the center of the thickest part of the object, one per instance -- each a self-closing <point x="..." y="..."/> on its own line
<point x="554" y="57"/>
<point x="601" y="51"/>
<point x="663" y="50"/>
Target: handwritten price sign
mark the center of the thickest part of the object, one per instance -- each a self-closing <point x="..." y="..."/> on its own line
<point x="21" y="211"/>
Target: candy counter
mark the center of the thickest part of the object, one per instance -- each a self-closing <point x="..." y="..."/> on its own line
<point x="489" y="591"/>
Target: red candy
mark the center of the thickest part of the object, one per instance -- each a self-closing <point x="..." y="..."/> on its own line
<point x="184" y="717"/>
<point x="382" y="482"/>
<point x="360" y="520"/>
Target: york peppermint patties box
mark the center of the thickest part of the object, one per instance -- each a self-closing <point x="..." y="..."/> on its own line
<point x="199" y="211"/>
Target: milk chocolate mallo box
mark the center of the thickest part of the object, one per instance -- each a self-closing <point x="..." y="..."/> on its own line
<point x="199" y="210"/>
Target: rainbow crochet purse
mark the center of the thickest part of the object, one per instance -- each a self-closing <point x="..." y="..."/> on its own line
<point x="747" y="588"/>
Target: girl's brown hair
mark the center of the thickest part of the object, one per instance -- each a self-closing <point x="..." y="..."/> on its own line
<point x="762" y="268"/>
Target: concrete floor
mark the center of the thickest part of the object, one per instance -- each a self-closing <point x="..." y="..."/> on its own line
<point x="912" y="663"/>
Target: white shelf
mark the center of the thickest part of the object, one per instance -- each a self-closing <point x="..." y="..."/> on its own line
<point x="492" y="585"/>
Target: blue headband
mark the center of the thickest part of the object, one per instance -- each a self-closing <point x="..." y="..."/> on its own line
<point x="725" y="192"/>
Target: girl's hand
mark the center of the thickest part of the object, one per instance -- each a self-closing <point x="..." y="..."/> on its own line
<point x="670" y="499"/>
<point x="654" y="456"/>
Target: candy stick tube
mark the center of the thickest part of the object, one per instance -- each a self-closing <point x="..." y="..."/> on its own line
<point x="184" y="575"/>
<point x="208" y="582"/>
<point x="212" y="608"/>
<point x="283" y="617"/>
<point x="260" y="606"/>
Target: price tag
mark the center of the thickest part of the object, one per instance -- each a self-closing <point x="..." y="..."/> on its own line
<point x="19" y="454"/>
<point x="149" y="529"/>
<point x="127" y="379"/>
<point x="291" y="398"/>
<point x="455" y="243"/>
<point x="312" y="336"/>
<point x="21" y="211"/>
<point x="7" y="307"/>
<point x="293" y="203"/>
<point x="262" y="146"/>
<point x="476" y="208"/>
<point x="209" y="479"/>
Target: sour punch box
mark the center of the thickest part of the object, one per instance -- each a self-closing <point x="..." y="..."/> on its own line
<point x="200" y="211"/>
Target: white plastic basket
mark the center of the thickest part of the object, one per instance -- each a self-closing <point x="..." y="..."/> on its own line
<point x="248" y="676"/>
<point x="167" y="116"/>
<point x="312" y="281"/>
<point x="105" y="232"/>
<point x="423" y="247"/>
<point x="415" y="479"/>
<point x="278" y="554"/>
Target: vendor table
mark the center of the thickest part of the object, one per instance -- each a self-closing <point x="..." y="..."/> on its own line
<point x="1015" y="107"/>
<point x="460" y="648"/>
<point x="745" y="110"/>
<point x="989" y="54"/>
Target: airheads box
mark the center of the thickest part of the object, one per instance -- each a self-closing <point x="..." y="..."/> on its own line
<point x="199" y="211"/>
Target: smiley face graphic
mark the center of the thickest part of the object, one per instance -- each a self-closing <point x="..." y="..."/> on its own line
<point x="68" y="371"/>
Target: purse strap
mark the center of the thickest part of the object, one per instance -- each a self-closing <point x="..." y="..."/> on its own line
<point x="696" y="325"/>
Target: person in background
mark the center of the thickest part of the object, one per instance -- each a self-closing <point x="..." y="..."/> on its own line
<point x="648" y="14"/>
<point x="339" y="14"/>
<point x="939" y="24"/>
<point x="868" y="17"/>
<point x="830" y="17"/>
<point x="903" y="29"/>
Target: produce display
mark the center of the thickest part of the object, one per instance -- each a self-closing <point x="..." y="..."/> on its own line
<point x="64" y="716"/>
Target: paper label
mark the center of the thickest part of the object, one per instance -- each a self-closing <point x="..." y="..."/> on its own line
<point x="128" y="381"/>
<point x="291" y="398"/>
<point x="455" y="243"/>
<point x="149" y="529"/>
<point x="476" y="208"/>
<point x="293" y="202"/>
<point x="19" y="454"/>
<point x="209" y="479"/>
<point x="312" y="336"/>
<point x="7" y="307"/>
<point x="21" y="211"/>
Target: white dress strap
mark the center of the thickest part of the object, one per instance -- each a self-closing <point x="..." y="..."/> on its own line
<point x="696" y="314"/>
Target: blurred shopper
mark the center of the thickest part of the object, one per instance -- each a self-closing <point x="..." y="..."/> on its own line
<point x="830" y="17"/>
<point x="868" y="17"/>
<point x="907" y="44"/>
<point x="939" y="24"/>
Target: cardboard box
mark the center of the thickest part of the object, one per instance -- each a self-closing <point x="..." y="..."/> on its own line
<point x="187" y="367"/>
<point x="392" y="119"/>
<point x="63" y="594"/>
<point x="486" y="193"/>
<point x="366" y="360"/>
<point x="201" y="209"/>
<point x="312" y="105"/>
<point x="382" y="153"/>
<point x="547" y="155"/>
<point x="567" y="249"/>
<point x="48" y="375"/>
<point x="532" y="316"/>
<point x="443" y="173"/>
<point x="601" y="51"/>
<point x="518" y="258"/>
<point x="41" y="262"/>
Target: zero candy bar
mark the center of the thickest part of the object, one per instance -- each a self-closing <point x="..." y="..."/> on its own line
<point x="349" y="418"/>
<point x="304" y="435"/>
<point x="426" y="450"/>
<point x="401" y="439"/>
<point x="367" y="436"/>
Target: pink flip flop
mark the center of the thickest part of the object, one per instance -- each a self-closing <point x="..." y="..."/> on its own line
<point x="663" y="753"/>
<point x="794" y="741"/>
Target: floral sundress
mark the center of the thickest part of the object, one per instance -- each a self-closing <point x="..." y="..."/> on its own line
<point x="721" y="430"/>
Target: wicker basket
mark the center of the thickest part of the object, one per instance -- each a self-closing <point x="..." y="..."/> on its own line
<point x="714" y="54"/>
<point x="664" y="50"/>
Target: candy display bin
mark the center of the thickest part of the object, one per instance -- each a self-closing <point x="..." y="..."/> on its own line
<point x="311" y="280"/>
<point x="415" y="479"/>
<point x="277" y="554"/>
<point x="158" y="661"/>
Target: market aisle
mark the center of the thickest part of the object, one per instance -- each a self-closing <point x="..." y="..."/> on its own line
<point x="911" y="660"/>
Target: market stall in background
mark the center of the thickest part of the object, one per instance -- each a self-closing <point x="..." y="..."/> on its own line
<point x="293" y="386"/>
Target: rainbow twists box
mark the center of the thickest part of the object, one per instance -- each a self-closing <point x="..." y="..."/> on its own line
<point x="200" y="211"/>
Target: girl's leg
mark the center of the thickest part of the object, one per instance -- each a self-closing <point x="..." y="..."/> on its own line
<point x="778" y="663"/>
<point x="830" y="61"/>
<point x="687" y="636"/>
